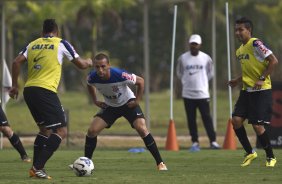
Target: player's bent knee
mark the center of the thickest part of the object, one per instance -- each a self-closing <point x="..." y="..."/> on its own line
<point x="143" y="134"/>
<point x="44" y="131"/>
<point x="237" y="122"/>
<point x="142" y="131"/>
<point x="259" y="129"/>
<point x="92" y="135"/>
<point x="62" y="132"/>
<point x="92" y="132"/>
<point x="96" y="127"/>
<point x="6" y="130"/>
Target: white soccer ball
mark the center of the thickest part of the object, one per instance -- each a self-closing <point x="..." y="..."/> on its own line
<point x="83" y="166"/>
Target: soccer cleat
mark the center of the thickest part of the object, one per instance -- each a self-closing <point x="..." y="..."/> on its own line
<point x="214" y="145"/>
<point x="195" y="147"/>
<point x="40" y="174"/>
<point x="162" y="167"/>
<point x="71" y="166"/>
<point x="25" y="158"/>
<point x="248" y="158"/>
<point x="270" y="162"/>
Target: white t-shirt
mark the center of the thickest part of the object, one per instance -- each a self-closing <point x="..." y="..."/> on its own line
<point x="115" y="90"/>
<point x="195" y="73"/>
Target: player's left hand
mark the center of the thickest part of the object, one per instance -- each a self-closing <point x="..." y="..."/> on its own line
<point x="132" y="104"/>
<point x="258" y="85"/>
<point x="232" y="83"/>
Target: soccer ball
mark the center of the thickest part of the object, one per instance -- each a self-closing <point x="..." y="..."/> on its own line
<point x="83" y="166"/>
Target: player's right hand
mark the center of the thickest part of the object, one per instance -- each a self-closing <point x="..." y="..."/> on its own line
<point x="13" y="92"/>
<point x="102" y="105"/>
<point x="90" y="62"/>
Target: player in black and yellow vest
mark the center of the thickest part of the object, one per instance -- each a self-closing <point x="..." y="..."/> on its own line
<point x="44" y="58"/>
<point x="255" y="100"/>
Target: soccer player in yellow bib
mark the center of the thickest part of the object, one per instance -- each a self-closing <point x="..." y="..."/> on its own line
<point x="44" y="57"/>
<point x="255" y="99"/>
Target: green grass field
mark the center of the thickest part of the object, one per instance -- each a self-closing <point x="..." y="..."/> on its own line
<point x="120" y="166"/>
<point x="116" y="165"/>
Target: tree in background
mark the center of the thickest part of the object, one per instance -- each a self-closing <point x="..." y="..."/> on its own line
<point x="116" y="28"/>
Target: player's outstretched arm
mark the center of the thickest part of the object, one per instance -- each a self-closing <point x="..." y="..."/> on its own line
<point x="83" y="63"/>
<point x="234" y="82"/>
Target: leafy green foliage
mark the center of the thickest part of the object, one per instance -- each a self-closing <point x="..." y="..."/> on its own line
<point x="116" y="27"/>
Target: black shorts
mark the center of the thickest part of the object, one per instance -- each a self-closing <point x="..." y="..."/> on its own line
<point x="111" y="114"/>
<point x="254" y="106"/>
<point x="45" y="107"/>
<point x="3" y="118"/>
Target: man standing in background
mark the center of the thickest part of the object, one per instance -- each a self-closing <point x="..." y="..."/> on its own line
<point x="194" y="69"/>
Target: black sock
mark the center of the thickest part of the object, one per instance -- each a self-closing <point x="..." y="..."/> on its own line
<point x="265" y="143"/>
<point x="52" y="144"/>
<point x="17" y="144"/>
<point x="39" y="142"/>
<point x="89" y="147"/>
<point x="152" y="147"/>
<point x="242" y="136"/>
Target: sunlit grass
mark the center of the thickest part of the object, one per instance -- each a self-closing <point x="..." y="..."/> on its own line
<point x="120" y="166"/>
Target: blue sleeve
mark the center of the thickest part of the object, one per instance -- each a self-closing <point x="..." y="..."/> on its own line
<point x="118" y="74"/>
<point x="91" y="77"/>
<point x="69" y="48"/>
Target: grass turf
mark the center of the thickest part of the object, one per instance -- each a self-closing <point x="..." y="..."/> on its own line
<point x="120" y="166"/>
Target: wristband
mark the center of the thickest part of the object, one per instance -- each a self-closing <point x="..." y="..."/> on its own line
<point x="262" y="78"/>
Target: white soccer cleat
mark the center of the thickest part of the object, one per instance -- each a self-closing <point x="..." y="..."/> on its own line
<point x="162" y="167"/>
<point x="71" y="166"/>
<point x="214" y="145"/>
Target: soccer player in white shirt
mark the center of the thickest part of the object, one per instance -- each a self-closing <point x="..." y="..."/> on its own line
<point x="119" y="101"/>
